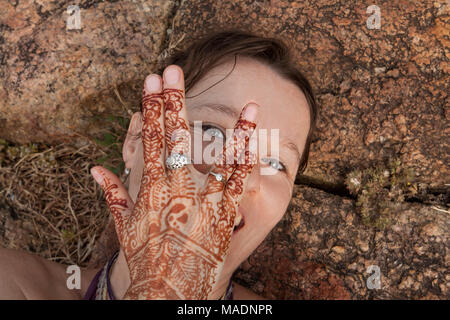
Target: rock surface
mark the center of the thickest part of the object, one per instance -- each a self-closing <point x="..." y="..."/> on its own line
<point x="381" y="92"/>
<point x="54" y="77"/>
<point x="321" y="250"/>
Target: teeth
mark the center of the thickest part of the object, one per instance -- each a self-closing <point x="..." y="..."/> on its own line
<point x="237" y="220"/>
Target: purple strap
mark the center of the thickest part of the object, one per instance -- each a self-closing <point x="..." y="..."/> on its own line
<point x="90" y="293"/>
<point x="92" y="290"/>
<point x="108" y="283"/>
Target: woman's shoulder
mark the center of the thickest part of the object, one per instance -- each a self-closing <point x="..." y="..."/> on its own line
<point x="242" y="293"/>
<point x="27" y="276"/>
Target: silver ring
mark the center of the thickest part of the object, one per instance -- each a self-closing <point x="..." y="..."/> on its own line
<point x="219" y="176"/>
<point x="176" y="161"/>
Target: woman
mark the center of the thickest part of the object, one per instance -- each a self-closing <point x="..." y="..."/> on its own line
<point x="216" y="213"/>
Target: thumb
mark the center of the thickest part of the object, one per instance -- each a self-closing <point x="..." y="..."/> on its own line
<point x="117" y="197"/>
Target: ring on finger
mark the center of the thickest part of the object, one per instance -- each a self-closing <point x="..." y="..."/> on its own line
<point x="176" y="161"/>
<point x="219" y="176"/>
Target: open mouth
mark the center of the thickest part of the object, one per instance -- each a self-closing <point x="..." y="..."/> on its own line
<point x="239" y="225"/>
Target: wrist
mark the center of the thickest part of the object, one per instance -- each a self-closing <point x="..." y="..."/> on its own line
<point x="120" y="276"/>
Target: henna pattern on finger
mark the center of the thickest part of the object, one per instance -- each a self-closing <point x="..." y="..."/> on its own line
<point x="152" y="135"/>
<point x="115" y="203"/>
<point x="235" y="148"/>
<point x="177" y="130"/>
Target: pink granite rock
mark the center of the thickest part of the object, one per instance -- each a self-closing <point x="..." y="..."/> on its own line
<point x="381" y="92"/>
<point x="321" y="250"/>
<point x="55" y="77"/>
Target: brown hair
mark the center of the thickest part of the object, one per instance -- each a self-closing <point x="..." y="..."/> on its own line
<point x="216" y="48"/>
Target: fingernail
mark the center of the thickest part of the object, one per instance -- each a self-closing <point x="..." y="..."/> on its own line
<point x="97" y="176"/>
<point x="172" y="75"/>
<point x="250" y="112"/>
<point x="153" y="83"/>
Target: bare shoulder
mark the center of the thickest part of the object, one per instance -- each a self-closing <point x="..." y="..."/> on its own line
<point x="9" y="289"/>
<point x="27" y="276"/>
<point x="242" y="293"/>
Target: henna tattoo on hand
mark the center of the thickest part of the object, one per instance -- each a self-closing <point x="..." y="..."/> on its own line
<point x="176" y="236"/>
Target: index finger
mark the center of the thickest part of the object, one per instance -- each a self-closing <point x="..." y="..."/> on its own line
<point x="234" y="149"/>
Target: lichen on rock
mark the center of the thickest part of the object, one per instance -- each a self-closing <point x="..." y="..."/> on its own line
<point x="381" y="190"/>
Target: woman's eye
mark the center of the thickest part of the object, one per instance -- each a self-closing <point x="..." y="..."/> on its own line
<point x="274" y="163"/>
<point x="213" y="131"/>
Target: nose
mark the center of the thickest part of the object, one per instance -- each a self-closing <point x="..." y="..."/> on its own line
<point x="254" y="181"/>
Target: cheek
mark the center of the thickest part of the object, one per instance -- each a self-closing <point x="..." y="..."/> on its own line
<point x="263" y="211"/>
<point x="274" y="198"/>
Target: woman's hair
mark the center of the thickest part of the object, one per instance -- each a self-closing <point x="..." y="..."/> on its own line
<point x="218" y="47"/>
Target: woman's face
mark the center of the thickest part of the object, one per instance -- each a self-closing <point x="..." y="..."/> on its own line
<point x="282" y="106"/>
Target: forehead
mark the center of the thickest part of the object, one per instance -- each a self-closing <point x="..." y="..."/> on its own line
<point x="282" y="104"/>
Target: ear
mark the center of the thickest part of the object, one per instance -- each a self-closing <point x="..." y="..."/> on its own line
<point x="131" y="143"/>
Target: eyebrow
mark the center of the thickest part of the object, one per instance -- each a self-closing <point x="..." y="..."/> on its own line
<point x="218" y="107"/>
<point x="230" y="112"/>
<point x="293" y="147"/>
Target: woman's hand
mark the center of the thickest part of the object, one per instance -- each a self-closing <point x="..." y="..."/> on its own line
<point x="175" y="238"/>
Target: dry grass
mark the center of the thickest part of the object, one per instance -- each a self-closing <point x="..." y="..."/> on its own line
<point x="49" y="203"/>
